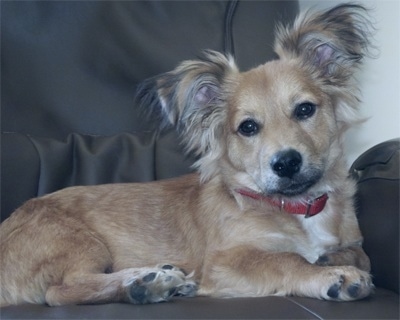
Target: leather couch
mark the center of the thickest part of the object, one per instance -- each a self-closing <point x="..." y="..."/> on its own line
<point x="68" y="117"/>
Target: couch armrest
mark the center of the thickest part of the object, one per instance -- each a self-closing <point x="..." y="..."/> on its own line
<point x="377" y="201"/>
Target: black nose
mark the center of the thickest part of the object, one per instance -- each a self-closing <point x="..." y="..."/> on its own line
<point x="286" y="163"/>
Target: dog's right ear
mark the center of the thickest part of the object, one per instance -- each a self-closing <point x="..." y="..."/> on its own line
<point x="191" y="98"/>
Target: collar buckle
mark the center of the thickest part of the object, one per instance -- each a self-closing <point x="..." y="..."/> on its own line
<point x="282" y="206"/>
<point x="308" y="211"/>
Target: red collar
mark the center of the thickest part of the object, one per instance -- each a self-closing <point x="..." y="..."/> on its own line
<point x="309" y="208"/>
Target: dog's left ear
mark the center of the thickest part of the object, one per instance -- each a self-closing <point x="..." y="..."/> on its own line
<point x="330" y="44"/>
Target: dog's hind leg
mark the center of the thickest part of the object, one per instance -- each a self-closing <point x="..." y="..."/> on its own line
<point x="133" y="285"/>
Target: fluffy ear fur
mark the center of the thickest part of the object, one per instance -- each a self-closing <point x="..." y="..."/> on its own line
<point x="330" y="43"/>
<point x="192" y="99"/>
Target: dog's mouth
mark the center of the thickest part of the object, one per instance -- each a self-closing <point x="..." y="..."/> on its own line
<point x="295" y="186"/>
<point x="295" y="189"/>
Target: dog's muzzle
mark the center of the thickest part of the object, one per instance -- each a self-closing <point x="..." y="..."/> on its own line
<point x="286" y="163"/>
<point x="291" y="176"/>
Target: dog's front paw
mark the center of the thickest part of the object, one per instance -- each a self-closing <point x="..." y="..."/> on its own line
<point x="349" y="256"/>
<point x="160" y="284"/>
<point x="346" y="284"/>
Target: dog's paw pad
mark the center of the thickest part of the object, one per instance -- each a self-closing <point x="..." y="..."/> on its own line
<point x="171" y="267"/>
<point x="334" y="290"/>
<point x="323" y="261"/>
<point x="160" y="284"/>
<point x="167" y="267"/>
<point x="138" y="294"/>
<point x="187" y="290"/>
<point x="150" y="277"/>
<point x="350" y="284"/>
<point x="354" y="290"/>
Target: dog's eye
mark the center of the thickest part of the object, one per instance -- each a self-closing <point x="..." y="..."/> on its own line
<point x="248" y="128"/>
<point x="304" y="110"/>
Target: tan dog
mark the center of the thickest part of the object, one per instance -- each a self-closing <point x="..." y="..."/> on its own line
<point x="269" y="212"/>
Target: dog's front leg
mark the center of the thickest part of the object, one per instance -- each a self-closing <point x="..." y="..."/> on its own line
<point x="248" y="271"/>
<point x="348" y="256"/>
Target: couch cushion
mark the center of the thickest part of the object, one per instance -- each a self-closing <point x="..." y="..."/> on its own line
<point x="69" y="74"/>
<point x="38" y="166"/>
<point x="377" y="172"/>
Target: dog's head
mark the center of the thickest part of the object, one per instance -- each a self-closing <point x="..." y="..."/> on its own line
<point x="276" y="128"/>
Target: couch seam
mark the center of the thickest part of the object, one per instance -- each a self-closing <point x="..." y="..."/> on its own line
<point x="305" y="308"/>
<point x="30" y="139"/>
<point x="38" y="183"/>
<point x="229" y="45"/>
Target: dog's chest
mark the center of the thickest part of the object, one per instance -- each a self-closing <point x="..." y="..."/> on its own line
<point x="320" y="238"/>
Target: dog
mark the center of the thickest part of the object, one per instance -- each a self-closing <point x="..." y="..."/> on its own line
<point x="269" y="210"/>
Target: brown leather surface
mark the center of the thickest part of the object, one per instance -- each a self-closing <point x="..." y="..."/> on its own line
<point x="383" y="305"/>
<point x="377" y="171"/>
